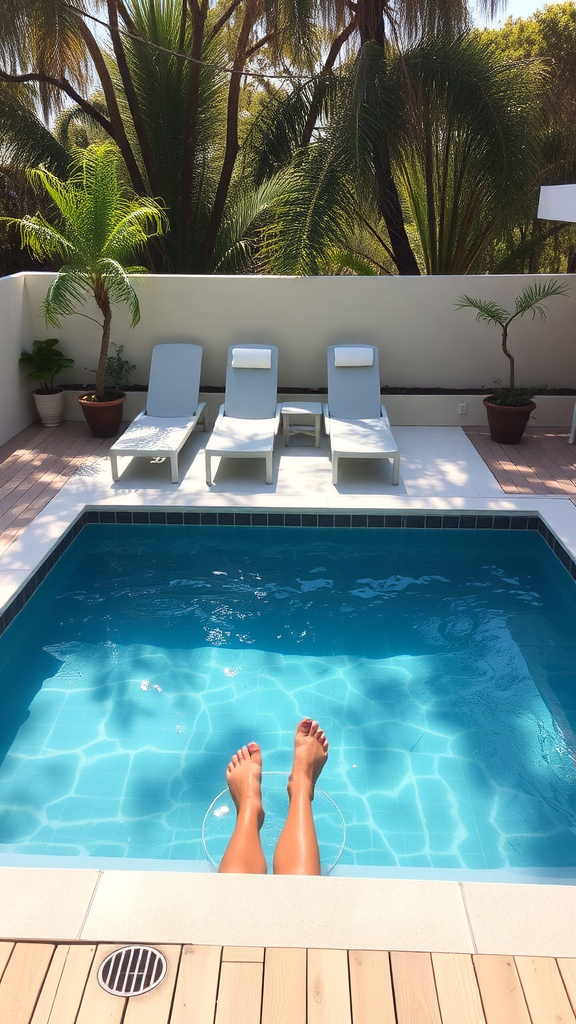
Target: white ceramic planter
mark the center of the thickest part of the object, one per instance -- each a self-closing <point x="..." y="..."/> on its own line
<point x="50" y="408"/>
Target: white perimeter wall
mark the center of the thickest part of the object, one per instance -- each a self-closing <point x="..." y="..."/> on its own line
<point x="423" y="341"/>
<point x="16" y="404"/>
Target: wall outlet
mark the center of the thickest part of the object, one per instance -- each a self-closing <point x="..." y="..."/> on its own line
<point x="462" y="408"/>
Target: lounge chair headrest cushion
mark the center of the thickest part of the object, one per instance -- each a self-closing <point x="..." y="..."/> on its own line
<point x="353" y="355"/>
<point x="251" y="358"/>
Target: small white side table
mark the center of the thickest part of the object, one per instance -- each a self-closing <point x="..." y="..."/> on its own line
<point x="313" y="410"/>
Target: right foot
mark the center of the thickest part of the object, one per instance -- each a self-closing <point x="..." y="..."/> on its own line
<point x="310" y="756"/>
<point x="244" y="778"/>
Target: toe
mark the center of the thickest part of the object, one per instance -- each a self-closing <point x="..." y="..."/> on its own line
<point x="304" y="726"/>
<point x="255" y="753"/>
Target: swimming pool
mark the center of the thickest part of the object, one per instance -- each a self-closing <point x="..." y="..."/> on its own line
<point x="441" y="667"/>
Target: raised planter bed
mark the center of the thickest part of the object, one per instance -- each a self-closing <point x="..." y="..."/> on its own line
<point x="405" y="408"/>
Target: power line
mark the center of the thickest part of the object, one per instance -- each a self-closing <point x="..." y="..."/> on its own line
<point x="174" y="53"/>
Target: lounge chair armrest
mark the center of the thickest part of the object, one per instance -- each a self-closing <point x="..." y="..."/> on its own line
<point x="219" y="417"/>
<point x="326" y="415"/>
<point x="384" y="416"/>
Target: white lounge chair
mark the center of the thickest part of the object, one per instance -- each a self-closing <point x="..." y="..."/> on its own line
<point x="248" y="420"/>
<point x="172" y="408"/>
<point x="356" y="421"/>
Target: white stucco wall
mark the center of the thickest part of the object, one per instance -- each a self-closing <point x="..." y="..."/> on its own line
<point x="16" y="404"/>
<point x="423" y="341"/>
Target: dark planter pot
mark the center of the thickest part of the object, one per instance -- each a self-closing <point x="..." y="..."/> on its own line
<point x="507" y="423"/>
<point x="103" y="418"/>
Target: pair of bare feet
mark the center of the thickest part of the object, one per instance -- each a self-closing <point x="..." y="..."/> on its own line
<point x="297" y="848"/>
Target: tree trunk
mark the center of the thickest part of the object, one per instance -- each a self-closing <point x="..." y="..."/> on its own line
<point x="371" y="26"/>
<point x="103" y="302"/>
<point x="391" y="210"/>
<point x="119" y="136"/>
<point x="508" y="354"/>
<point x="199" y="15"/>
<point x="232" y="144"/>
<point x="132" y="98"/>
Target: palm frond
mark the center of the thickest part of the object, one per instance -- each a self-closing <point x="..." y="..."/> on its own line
<point x="533" y="297"/>
<point x="26" y="141"/>
<point x="487" y="310"/>
<point x="69" y="290"/>
<point x="313" y="214"/>
<point x="118" y="285"/>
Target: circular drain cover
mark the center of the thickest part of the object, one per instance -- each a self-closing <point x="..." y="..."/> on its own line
<point x="132" y="970"/>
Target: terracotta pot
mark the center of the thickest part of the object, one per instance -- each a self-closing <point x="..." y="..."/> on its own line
<point x="103" y="418"/>
<point x="507" y="423"/>
<point x="50" y="408"/>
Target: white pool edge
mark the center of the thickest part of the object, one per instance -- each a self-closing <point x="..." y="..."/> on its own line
<point x="199" y="907"/>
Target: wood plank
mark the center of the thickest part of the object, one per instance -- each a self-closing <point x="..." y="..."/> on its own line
<point x="500" y="989"/>
<point x="63" y="988"/>
<point x="197" y="985"/>
<point x="414" y="988"/>
<point x="328" y="987"/>
<point x="457" y="988"/>
<point x="371" y="987"/>
<point x="98" y="1006"/>
<point x="567" y="968"/>
<point x="154" y="1007"/>
<point x="243" y="954"/>
<point x="544" y="990"/>
<point x="22" y="981"/>
<point x="239" y="994"/>
<point x="284" y="997"/>
<point x="5" y="951"/>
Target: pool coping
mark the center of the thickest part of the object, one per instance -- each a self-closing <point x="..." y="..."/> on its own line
<point x="371" y="913"/>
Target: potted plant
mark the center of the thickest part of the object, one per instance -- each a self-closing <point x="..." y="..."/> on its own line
<point x="100" y="229"/>
<point x="43" y="364"/>
<point x="509" y="408"/>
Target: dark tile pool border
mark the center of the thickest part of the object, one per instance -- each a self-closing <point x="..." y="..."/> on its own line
<point x="314" y="520"/>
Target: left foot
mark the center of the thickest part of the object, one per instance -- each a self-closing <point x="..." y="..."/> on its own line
<point x="244" y="778"/>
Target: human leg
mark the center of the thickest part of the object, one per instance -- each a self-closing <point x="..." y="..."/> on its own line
<point x="297" y="850"/>
<point x="244" y="854"/>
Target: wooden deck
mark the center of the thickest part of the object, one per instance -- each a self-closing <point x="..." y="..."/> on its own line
<point x="544" y="462"/>
<point x="36" y="463"/>
<point x="42" y="983"/>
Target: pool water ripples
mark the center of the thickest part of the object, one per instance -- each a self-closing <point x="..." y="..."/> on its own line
<point x="441" y="669"/>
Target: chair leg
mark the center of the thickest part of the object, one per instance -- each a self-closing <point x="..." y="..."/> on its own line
<point x="208" y="469"/>
<point x="269" y="467"/>
<point x="334" y="468"/>
<point x="174" y="469"/>
<point x="114" y="466"/>
<point x="573" y="427"/>
<point x="396" y="470"/>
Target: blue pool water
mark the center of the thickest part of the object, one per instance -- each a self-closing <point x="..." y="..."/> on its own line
<point x="441" y="666"/>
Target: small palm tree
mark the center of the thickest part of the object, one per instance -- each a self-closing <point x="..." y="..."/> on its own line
<point x="531" y="299"/>
<point x="99" y="233"/>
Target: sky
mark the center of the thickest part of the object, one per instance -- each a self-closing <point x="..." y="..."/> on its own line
<point x="516" y="9"/>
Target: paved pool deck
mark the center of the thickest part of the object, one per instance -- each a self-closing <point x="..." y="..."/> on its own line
<point x="441" y="470"/>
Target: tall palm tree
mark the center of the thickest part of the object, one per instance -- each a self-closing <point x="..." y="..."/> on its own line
<point x="185" y="50"/>
<point x="99" y="231"/>
<point x="469" y="149"/>
<point x="456" y="121"/>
